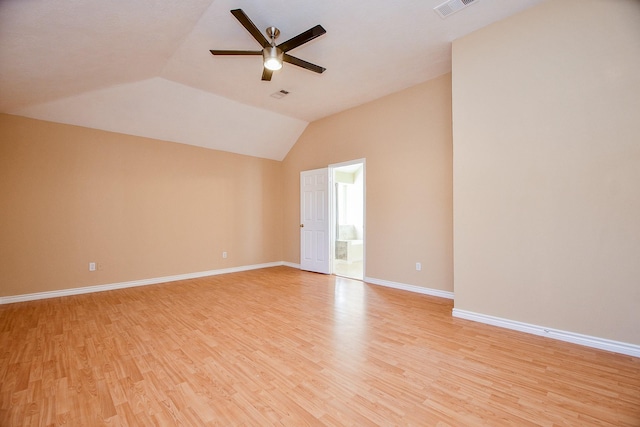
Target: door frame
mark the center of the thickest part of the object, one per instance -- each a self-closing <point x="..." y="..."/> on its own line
<point x="332" y="211"/>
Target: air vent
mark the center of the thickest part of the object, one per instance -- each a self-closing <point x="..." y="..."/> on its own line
<point x="280" y="94"/>
<point x="452" y="6"/>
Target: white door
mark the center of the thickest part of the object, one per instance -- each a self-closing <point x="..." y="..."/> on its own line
<point x="314" y="221"/>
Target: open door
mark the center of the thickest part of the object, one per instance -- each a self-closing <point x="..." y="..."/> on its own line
<point x="314" y="221"/>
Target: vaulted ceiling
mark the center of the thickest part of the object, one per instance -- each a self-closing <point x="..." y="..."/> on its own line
<point x="143" y="67"/>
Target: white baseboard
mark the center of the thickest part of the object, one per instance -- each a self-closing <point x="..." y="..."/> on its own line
<point x="133" y="283"/>
<point x="396" y="285"/>
<point x="410" y="288"/>
<point x="572" y="337"/>
<point x="292" y="265"/>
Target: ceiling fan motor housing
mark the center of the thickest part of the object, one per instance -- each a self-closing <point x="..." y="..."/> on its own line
<point x="272" y="56"/>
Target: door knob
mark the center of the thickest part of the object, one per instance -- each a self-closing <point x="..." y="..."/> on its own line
<point x="301" y="225"/>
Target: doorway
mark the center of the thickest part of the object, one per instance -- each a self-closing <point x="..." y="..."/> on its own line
<point x="348" y="219"/>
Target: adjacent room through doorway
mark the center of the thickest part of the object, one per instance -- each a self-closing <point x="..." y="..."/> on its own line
<point x="348" y="220"/>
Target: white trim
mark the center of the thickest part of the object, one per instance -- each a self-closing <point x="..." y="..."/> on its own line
<point x="133" y="283"/>
<point x="291" y="264"/>
<point x="348" y="163"/>
<point x="572" y="337"/>
<point x="410" y="288"/>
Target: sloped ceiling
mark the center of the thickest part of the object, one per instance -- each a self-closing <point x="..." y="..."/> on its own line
<point x="143" y="67"/>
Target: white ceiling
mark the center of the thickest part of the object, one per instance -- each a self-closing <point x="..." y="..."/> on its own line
<point x="143" y="67"/>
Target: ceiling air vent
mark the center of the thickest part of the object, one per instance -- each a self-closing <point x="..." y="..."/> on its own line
<point x="280" y="94"/>
<point x="452" y="6"/>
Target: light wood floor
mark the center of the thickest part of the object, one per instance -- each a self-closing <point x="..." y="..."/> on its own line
<point x="284" y="347"/>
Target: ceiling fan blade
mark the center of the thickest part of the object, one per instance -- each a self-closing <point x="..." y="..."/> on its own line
<point x="236" y="52"/>
<point x="304" y="64"/>
<point x="266" y="74"/>
<point x="302" y="38"/>
<point x="250" y="26"/>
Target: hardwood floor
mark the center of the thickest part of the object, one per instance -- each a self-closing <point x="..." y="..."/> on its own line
<point x="284" y="347"/>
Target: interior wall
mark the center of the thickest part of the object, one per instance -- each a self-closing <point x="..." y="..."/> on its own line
<point x="406" y="141"/>
<point x="140" y="208"/>
<point x="547" y="168"/>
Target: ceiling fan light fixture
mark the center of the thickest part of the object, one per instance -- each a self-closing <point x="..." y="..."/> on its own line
<point x="272" y="56"/>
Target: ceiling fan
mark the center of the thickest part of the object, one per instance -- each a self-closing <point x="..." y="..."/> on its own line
<point x="273" y="55"/>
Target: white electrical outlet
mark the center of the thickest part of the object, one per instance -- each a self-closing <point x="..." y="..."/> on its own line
<point x="418" y="266"/>
<point x="92" y="266"/>
<point x="224" y="254"/>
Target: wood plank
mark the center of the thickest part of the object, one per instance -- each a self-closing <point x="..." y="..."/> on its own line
<point x="280" y="346"/>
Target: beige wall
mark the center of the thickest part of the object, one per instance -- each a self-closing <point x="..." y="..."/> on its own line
<point x="406" y="141"/>
<point x="546" y="124"/>
<point x="141" y="208"/>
